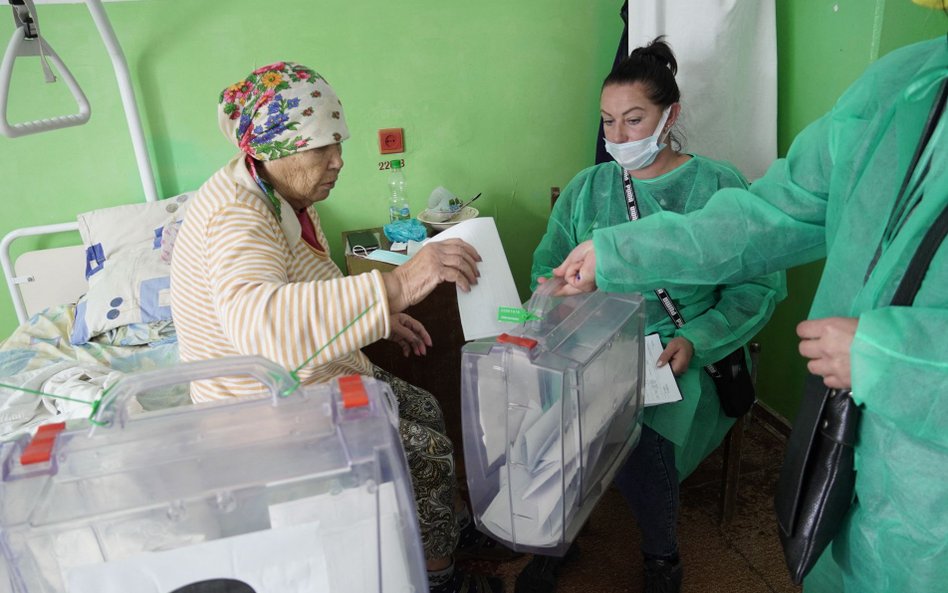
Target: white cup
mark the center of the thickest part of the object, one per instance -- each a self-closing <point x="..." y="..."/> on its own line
<point x="442" y="204"/>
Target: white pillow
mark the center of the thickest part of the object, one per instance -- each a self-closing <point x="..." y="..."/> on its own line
<point x="127" y="267"/>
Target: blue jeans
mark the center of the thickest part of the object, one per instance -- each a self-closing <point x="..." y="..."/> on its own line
<point x="649" y="483"/>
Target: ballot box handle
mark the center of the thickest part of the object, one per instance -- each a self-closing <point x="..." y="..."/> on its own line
<point x="113" y="404"/>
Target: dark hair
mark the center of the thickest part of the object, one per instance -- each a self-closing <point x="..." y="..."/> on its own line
<point x="653" y="65"/>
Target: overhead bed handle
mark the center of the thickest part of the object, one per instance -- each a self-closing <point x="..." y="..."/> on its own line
<point x="27" y="41"/>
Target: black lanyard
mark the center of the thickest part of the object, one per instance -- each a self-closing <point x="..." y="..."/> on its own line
<point x="630" y="196"/>
<point x="663" y="297"/>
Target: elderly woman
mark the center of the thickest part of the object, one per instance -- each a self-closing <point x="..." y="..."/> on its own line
<point x="251" y="274"/>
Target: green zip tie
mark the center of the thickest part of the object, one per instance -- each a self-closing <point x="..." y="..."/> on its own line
<point x="289" y="390"/>
<point x="40" y="393"/>
<point x="94" y="404"/>
<point x="294" y="372"/>
<point x="97" y="403"/>
<point x="516" y="315"/>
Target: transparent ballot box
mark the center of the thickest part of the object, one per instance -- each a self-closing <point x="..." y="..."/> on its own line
<point x="306" y="490"/>
<point x="550" y="412"/>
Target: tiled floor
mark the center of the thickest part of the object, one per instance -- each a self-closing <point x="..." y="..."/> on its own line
<point x="745" y="557"/>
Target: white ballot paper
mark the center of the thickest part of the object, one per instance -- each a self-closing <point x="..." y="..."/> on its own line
<point x="660" y="385"/>
<point x="286" y="559"/>
<point x="495" y="287"/>
<point x="317" y="543"/>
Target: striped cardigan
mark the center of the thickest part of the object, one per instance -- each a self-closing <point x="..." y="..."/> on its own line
<point x="243" y="282"/>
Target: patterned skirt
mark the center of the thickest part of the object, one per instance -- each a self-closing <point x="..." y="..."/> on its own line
<point x="430" y="463"/>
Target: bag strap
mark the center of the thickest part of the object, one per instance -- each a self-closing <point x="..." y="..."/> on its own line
<point x="918" y="267"/>
<point x="938" y="107"/>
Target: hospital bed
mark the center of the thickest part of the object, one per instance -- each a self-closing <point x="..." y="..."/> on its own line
<point x="39" y="356"/>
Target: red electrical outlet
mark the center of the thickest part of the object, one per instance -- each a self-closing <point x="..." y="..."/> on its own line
<point x="391" y="141"/>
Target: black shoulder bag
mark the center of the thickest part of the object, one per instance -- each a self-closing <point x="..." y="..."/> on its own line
<point x="816" y="484"/>
<point x="732" y="379"/>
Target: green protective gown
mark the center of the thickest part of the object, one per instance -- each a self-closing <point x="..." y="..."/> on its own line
<point x="717" y="319"/>
<point x="835" y="196"/>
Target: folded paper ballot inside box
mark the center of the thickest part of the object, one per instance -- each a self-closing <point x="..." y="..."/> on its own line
<point x="550" y="412"/>
<point x="305" y="491"/>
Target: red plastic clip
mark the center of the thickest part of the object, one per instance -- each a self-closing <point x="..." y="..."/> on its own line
<point x="527" y="343"/>
<point x="353" y="392"/>
<point x="41" y="446"/>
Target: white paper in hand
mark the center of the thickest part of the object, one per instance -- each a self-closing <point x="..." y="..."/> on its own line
<point x="495" y="287"/>
<point x="660" y="384"/>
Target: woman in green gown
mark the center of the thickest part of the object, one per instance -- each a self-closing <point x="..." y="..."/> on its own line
<point x="640" y="105"/>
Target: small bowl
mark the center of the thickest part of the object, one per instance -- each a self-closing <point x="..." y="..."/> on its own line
<point x="434" y="220"/>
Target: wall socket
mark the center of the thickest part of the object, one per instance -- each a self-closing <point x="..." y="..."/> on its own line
<point x="391" y="140"/>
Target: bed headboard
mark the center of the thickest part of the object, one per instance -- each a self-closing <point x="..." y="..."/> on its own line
<point x="45" y="277"/>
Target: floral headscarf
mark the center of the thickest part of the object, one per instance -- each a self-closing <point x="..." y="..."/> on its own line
<point x="279" y="110"/>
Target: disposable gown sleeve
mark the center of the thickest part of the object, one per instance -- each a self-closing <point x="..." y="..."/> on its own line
<point x="558" y="240"/>
<point x="263" y="313"/>
<point x="777" y="223"/>
<point x="899" y="369"/>
<point x="740" y="312"/>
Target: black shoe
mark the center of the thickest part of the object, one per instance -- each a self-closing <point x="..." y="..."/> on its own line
<point x="474" y="545"/>
<point x="540" y="574"/>
<point x="486" y="548"/>
<point x="662" y="576"/>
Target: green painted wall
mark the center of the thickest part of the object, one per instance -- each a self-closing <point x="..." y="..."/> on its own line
<point x="495" y="96"/>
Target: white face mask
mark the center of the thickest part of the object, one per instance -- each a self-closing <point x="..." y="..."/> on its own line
<point x="639" y="154"/>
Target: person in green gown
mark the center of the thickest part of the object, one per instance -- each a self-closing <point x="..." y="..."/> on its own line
<point x="640" y="105"/>
<point x="838" y="194"/>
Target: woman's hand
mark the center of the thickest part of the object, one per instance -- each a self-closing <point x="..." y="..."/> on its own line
<point x="410" y="334"/>
<point x="578" y="270"/>
<point x="452" y="260"/>
<point x="827" y="342"/>
<point x="678" y="353"/>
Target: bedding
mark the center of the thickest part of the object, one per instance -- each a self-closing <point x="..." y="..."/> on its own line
<point x="128" y="265"/>
<point x="39" y="356"/>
